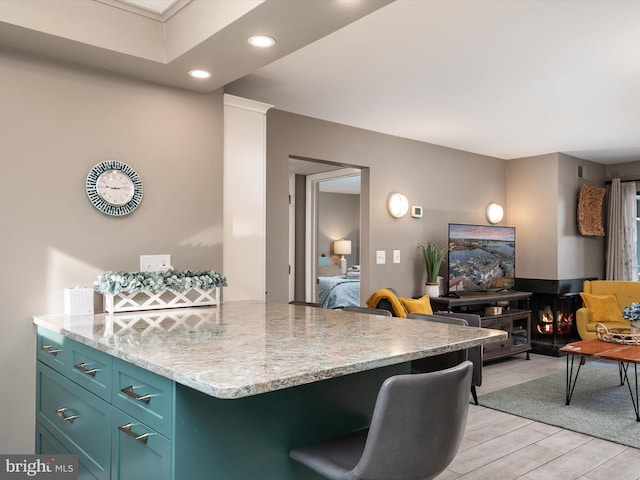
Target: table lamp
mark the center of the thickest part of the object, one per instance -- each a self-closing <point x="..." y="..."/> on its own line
<point x="342" y="248"/>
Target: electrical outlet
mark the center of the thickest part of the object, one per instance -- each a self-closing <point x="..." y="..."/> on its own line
<point x="154" y="263"/>
<point x="396" y="256"/>
<point x="380" y="257"/>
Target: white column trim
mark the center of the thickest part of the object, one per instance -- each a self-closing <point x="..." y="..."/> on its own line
<point x="244" y="198"/>
<point x="246" y="104"/>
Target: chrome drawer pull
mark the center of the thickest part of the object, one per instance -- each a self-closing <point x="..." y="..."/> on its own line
<point x="49" y="349"/>
<point x="66" y="418"/>
<point x="81" y="367"/>
<point x="141" y="398"/>
<point x="126" y="429"/>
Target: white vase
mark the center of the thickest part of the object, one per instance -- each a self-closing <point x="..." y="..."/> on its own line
<point x="432" y="289"/>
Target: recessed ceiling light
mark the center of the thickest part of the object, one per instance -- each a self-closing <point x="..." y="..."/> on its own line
<point x="261" y="41"/>
<point x="200" y="74"/>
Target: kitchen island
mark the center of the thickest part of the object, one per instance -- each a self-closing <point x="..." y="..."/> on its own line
<point x="224" y="392"/>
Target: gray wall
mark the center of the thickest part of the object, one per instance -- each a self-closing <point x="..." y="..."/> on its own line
<point x="579" y="256"/>
<point x="624" y="171"/>
<point x="56" y="123"/>
<point x="451" y="186"/>
<point x="542" y="194"/>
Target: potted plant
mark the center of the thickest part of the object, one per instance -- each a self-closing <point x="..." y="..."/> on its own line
<point x="434" y="255"/>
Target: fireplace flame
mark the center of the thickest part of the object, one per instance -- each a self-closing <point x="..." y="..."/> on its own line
<point x="564" y="321"/>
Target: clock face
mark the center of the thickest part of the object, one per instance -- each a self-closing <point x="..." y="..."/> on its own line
<point x="114" y="188"/>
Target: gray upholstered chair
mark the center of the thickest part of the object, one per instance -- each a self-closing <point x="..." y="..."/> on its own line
<point x="473" y="354"/>
<point x="370" y="311"/>
<point x="416" y="429"/>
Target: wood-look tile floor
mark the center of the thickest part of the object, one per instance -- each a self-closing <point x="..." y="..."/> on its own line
<point x="499" y="446"/>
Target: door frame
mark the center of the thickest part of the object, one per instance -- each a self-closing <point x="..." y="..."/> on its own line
<point x="311" y="224"/>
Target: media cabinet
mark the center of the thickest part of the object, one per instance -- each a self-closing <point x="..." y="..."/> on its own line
<point x="515" y="319"/>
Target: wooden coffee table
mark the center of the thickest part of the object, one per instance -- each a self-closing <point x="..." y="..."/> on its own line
<point x="623" y="354"/>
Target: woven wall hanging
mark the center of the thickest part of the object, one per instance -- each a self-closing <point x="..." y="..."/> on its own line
<point x="590" y="201"/>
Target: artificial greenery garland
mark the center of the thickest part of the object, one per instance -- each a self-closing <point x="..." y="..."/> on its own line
<point x="113" y="283"/>
<point x="632" y="312"/>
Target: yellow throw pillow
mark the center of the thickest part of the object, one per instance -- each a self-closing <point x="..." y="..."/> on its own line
<point x="602" y="308"/>
<point x="420" y="305"/>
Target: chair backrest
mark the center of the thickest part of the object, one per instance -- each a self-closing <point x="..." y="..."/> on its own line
<point x="370" y="311"/>
<point x="306" y="304"/>
<point x="626" y="292"/>
<point x="474" y="354"/>
<point x="444" y="360"/>
<point x="417" y="425"/>
<point x="439" y="319"/>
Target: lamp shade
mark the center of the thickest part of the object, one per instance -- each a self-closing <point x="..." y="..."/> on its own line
<point x="342" y="247"/>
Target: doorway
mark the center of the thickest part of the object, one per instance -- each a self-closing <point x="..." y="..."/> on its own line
<point x="327" y="205"/>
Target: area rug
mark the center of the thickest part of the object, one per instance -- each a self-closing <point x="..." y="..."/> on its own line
<point x="600" y="406"/>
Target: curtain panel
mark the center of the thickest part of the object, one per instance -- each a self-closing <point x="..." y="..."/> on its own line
<point x="622" y="236"/>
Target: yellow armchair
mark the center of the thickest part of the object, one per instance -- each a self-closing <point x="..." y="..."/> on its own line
<point x="625" y="293"/>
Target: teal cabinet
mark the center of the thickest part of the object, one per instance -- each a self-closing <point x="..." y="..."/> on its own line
<point x="127" y="423"/>
<point x="51" y="350"/>
<point x="144" y="395"/>
<point x="47" y="443"/>
<point x="138" y="451"/>
<point x="118" y="418"/>
<point x="91" y="369"/>
<point x="77" y="419"/>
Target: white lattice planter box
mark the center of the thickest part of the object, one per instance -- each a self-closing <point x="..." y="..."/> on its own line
<point x="147" y="300"/>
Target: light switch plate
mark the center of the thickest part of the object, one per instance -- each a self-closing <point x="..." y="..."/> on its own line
<point x="396" y="256"/>
<point x="380" y="257"/>
<point x="154" y="263"/>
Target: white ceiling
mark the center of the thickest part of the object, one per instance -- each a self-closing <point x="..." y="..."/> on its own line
<point x="508" y="79"/>
<point x="504" y="78"/>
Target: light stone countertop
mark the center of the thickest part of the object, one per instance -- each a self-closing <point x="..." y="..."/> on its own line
<point x="245" y="348"/>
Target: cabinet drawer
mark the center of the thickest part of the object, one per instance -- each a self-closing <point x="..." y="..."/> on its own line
<point x="503" y="347"/>
<point x="91" y="369"/>
<point x="78" y="419"/>
<point x="52" y="350"/>
<point x="492" y="350"/>
<point x="139" y="452"/>
<point x="500" y="323"/>
<point x="144" y="395"/>
<point x="47" y="443"/>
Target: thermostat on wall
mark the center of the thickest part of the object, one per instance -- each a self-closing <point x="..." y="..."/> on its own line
<point x="416" y="211"/>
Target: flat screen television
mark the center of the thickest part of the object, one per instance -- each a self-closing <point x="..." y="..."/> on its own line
<point x="481" y="257"/>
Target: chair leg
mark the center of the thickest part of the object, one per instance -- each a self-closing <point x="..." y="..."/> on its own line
<point x="474" y="394"/>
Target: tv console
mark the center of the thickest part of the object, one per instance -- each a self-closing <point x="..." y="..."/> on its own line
<point x="515" y="319"/>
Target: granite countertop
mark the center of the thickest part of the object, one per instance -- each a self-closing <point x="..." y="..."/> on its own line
<point x="240" y="349"/>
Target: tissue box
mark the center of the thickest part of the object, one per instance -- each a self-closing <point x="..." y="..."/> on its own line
<point x="78" y="301"/>
<point x="493" y="311"/>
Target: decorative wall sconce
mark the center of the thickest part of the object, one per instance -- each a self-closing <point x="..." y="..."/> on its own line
<point x="494" y="213"/>
<point x="342" y="248"/>
<point x="398" y="205"/>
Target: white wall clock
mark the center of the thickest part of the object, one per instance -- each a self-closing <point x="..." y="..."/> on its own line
<point x="114" y="188"/>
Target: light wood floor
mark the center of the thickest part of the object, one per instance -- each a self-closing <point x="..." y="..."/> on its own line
<point x="498" y="446"/>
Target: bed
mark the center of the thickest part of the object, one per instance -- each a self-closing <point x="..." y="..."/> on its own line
<point x="337" y="290"/>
